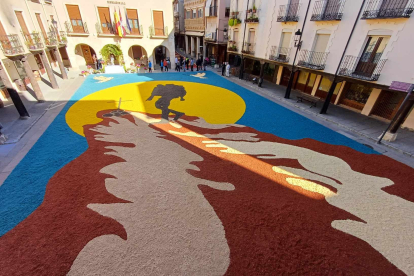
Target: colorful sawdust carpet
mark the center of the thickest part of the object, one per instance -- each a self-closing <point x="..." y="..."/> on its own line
<point x="168" y="174"/>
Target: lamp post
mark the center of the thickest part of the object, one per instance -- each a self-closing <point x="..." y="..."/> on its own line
<point x="298" y="45"/>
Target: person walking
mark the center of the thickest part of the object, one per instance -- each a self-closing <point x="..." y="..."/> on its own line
<point x="205" y="62"/>
<point x="228" y="70"/>
<point x="183" y="64"/>
<point x="192" y="64"/>
<point x="150" y="67"/>
<point x="198" y="64"/>
<point x="187" y="62"/>
<point x="176" y="64"/>
<point x="223" y="68"/>
<point x="166" y="65"/>
<point x="180" y="63"/>
<point x="162" y="65"/>
<point x="95" y="61"/>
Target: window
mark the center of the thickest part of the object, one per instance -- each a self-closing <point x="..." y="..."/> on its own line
<point x="252" y="34"/>
<point x="22" y="23"/>
<point x="371" y="55"/>
<point x="321" y="42"/>
<point x="284" y="45"/>
<point x="158" y="17"/>
<point x="105" y="18"/>
<point x="227" y="12"/>
<point x="133" y="21"/>
<point x="235" y="35"/>
<point x="200" y="13"/>
<point x="75" y="18"/>
<point x="194" y="14"/>
<point x="39" y="21"/>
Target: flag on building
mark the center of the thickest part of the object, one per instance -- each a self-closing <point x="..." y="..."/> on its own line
<point x="128" y="23"/>
<point x="122" y="23"/>
<point x="118" y="24"/>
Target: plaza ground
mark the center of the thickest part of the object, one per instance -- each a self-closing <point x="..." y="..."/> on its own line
<point x="244" y="183"/>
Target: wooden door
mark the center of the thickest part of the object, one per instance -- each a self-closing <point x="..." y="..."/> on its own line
<point x="293" y="8"/>
<point x="284" y="45"/>
<point x="75" y="18"/>
<point x="133" y="21"/>
<point x="390" y="8"/>
<point x="158" y="23"/>
<point x="371" y="55"/>
<point x="285" y="76"/>
<point x="86" y="51"/>
<point x="22" y="23"/>
<point x="332" y="7"/>
<point x="5" y="43"/>
<point x="105" y="18"/>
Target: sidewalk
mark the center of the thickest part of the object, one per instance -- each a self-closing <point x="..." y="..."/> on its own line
<point x="22" y="134"/>
<point x="356" y="126"/>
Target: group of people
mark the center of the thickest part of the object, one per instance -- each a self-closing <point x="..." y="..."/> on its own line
<point x="225" y="68"/>
<point x="187" y="63"/>
<point x="165" y="65"/>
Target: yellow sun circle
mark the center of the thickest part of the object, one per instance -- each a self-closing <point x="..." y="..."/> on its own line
<point x="214" y="104"/>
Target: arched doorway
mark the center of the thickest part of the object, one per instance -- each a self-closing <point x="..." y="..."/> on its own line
<point x="138" y="54"/>
<point x="84" y="54"/>
<point x="161" y="52"/>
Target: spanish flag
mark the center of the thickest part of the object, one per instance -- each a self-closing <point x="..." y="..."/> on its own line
<point x="118" y="24"/>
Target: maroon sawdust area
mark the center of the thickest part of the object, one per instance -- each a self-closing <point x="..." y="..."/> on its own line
<point x="271" y="229"/>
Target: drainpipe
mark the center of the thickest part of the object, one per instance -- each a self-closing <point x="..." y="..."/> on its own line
<point x="290" y="84"/>
<point x="244" y="36"/>
<point x="325" y="106"/>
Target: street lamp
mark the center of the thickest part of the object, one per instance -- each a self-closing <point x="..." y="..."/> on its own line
<point x="298" y="36"/>
<point x="225" y="33"/>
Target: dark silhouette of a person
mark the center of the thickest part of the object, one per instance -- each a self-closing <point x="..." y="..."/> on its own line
<point x="168" y="93"/>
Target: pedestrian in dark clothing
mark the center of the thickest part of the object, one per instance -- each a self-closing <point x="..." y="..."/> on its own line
<point x="205" y="64"/>
<point x="198" y="63"/>
<point x="187" y="63"/>
<point x="223" y="68"/>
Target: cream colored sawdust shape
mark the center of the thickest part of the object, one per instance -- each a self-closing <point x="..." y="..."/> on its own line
<point x="102" y="79"/>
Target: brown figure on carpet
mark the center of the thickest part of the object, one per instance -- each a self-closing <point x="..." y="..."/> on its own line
<point x="167" y="93"/>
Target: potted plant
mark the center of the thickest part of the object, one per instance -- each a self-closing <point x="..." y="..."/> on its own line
<point x="84" y="73"/>
<point x="90" y="69"/>
<point x="238" y="21"/>
<point x="231" y="22"/>
<point x="138" y="67"/>
<point x="254" y="9"/>
<point x="145" y="70"/>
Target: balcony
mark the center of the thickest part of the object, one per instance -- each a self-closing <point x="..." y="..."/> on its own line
<point x="33" y="41"/>
<point x="368" y="69"/>
<point x="279" y="54"/>
<point x="288" y="13"/>
<point x="313" y="60"/>
<point x="194" y="24"/>
<point x="213" y="11"/>
<point x="252" y="16"/>
<point x="326" y="10"/>
<point x="51" y="39"/>
<point x="158" y="32"/>
<point x="377" y="9"/>
<point x="211" y="37"/>
<point x="248" y="48"/>
<point x="105" y="29"/>
<point x="232" y="46"/>
<point x="11" y="45"/>
<point x="81" y="28"/>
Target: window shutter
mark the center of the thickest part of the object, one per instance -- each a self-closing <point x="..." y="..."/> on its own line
<point x="158" y="23"/>
<point x="39" y="21"/>
<point x="105" y="18"/>
<point x="23" y="25"/>
<point x="285" y="40"/>
<point x="2" y="31"/>
<point x="133" y="17"/>
<point x="75" y="18"/>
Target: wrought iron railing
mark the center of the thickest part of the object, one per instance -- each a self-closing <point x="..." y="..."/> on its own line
<point x="252" y="16"/>
<point x="33" y="41"/>
<point x="388" y="9"/>
<point x="280" y="54"/>
<point x="232" y="47"/>
<point x="109" y="29"/>
<point x="368" y="69"/>
<point x="80" y="30"/>
<point x="248" y="48"/>
<point x="326" y="10"/>
<point x="288" y="13"/>
<point x="313" y="60"/>
<point x="63" y="38"/>
<point x="213" y="11"/>
<point x="52" y="39"/>
<point x="154" y="32"/>
<point x="11" y="45"/>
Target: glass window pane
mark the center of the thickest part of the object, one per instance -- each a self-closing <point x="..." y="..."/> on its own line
<point x="136" y="24"/>
<point x="80" y="23"/>
<point x="74" y="22"/>
<point x="325" y="84"/>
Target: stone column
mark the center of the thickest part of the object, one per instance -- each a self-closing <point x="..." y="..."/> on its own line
<point x="192" y="45"/>
<point x="197" y="47"/>
<point x="316" y="84"/>
<point x="338" y="97"/>
<point x="4" y="77"/>
<point x="60" y="62"/>
<point x="33" y="81"/>
<point x="186" y="43"/>
<point x="279" y="75"/>
<point x="369" y="106"/>
<point x="49" y="71"/>
<point x="262" y="65"/>
<point x="409" y="122"/>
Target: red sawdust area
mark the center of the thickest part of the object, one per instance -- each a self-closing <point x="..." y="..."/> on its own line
<point x="270" y="229"/>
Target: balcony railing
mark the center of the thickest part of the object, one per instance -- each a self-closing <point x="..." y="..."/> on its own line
<point x="213" y="11"/>
<point x="211" y="36"/>
<point x="362" y="68"/>
<point x="154" y="32"/>
<point x="33" y="41"/>
<point x="252" y="16"/>
<point x="11" y="45"/>
<point x="326" y="10"/>
<point x="313" y="60"/>
<point x="388" y="9"/>
<point x="83" y="29"/>
<point x="62" y="38"/>
<point x="51" y="39"/>
<point x="109" y="29"/>
<point x="232" y="47"/>
<point x="288" y="13"/>
<point x="248" y="48"/>
<point x="280" y="54"/>
<point x="194" y="24"/>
